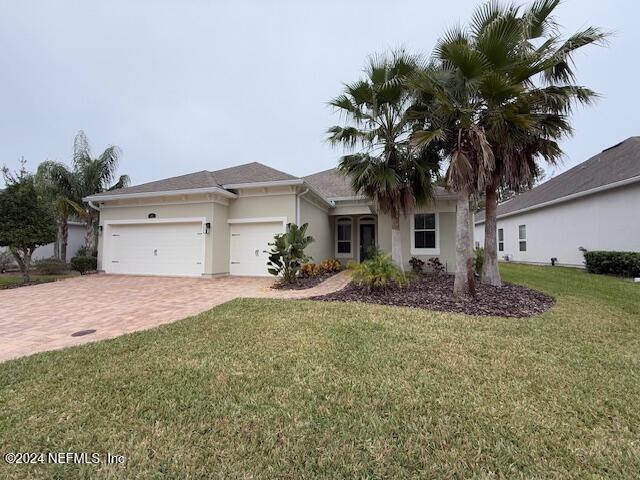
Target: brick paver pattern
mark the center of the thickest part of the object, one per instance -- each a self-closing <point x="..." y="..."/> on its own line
<point x="43" y="317"/>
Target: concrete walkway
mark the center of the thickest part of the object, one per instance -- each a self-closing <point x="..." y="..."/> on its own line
<point x="43" y="317"/>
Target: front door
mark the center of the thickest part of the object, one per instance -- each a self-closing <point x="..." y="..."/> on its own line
<point x="367" y="240"/>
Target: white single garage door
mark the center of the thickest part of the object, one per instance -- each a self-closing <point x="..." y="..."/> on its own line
<point x="249" y="241"/>
<point x="155" y="249"/>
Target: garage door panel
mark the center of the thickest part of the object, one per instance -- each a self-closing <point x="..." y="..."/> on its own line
<point x="155" y="249"/>
<point x="249" y="241"/>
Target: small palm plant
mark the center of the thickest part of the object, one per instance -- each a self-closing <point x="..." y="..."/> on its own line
<point x="379" y="273"/>
<point x="287" y="253"/>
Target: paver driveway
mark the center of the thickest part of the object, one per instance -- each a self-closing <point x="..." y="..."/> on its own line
<point x="43" y="317"/>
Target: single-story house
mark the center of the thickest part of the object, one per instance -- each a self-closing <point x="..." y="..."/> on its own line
<point x="594" y="205"/>
<point x="220" y="222"/>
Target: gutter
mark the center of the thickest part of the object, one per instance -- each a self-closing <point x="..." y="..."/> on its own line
<point x="573" y="196"/>
<point x="298" y="196"/>
<point x="166" y="193"/>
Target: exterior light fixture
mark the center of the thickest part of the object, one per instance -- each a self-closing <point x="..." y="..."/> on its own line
<point x="100" y="228"/>
<point x="207" y="228"/>
<point x="151" y="215"/>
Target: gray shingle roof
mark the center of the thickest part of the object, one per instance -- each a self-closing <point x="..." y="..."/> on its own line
<point x="247" y="173"/>
<point x="614" y="164"/>
<point x="332" y="184"/>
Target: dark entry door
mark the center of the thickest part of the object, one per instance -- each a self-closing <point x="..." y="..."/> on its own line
<point x="367" y="240"/>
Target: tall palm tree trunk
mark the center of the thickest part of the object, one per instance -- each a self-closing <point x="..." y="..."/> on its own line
<point x="64" y="238"/>
<point x="464" y="284"/>
<point x="396" y="241"/>
<point x="490" y="271"/>
<point x="56" y="244"/>
<point x="90" y="233"/>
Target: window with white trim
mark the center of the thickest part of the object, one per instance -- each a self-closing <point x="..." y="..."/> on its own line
<point x="344" y="232"/>
<point x="501" y="240"/>
<point x="424" y="233"/>
<point x="522" y="237"/>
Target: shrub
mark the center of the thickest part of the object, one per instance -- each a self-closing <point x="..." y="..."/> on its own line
<point x="416" y="265"/>
<point x="331" y="265"/>
<point x="308" y="269"/>
<point x="6" y="260"/>
<point x="84" y="264"/>
<point x="436" y="265"/>
<point x="51" y="266"/>
<point x="287" y="253"/>
<point x="626" y="264"/>
<point x="378" y="273"/>
<point x="315" y="270"/>
<point x="478" y="259"/>
<point x="83" y="251"/>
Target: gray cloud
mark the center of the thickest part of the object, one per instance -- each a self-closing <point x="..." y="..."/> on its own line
<point x="186" y="86"/>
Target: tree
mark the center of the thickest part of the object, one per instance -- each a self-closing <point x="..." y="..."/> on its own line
<point x="384" y="166"/>
<point x="484" y="93"/>
<point x="26" y="219"/>
<point x="87" y="177"/>
<point x="448" y="103"/>
<point x="526" y="115"/>
<point x="62" y="187"/>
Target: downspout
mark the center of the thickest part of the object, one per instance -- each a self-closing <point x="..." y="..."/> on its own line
<point x="93" y="205"/>
<point x="298" y="196"/>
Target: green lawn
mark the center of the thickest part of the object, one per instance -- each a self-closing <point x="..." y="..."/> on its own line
<point x="11" y="280"/>
<point x="273" y="389"/>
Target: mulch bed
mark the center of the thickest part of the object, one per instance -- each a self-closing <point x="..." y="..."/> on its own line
<point x="435" y="292"/>
<point x="304" y="282"/>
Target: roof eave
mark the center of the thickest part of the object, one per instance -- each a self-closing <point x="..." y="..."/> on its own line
<point x="567" y="198"/>
<point x="165" y="193"/>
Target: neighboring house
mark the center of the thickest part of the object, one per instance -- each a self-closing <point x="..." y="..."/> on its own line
<point x="595" y="205"/>
<point x="74" y="242"/>
<point x="220" y="222"/>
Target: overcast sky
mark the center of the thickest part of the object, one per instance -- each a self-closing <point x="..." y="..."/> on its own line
<point x="187" y="86"/>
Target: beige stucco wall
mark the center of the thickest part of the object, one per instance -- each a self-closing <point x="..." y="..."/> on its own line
<point x="141" y="212"/>
<point x="220" y="236"/>
<point x="264" y="206"/>
<point x="447" y="225"/>
<point x="319" y="228"/>
<point x="603" y="221"/>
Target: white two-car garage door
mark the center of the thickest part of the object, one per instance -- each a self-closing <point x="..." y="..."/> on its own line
<point x="154" y="248"/>
<point x="249" y="241"/>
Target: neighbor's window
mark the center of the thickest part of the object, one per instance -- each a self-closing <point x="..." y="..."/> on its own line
<point x="424" y="230"/>
<point x="343" y="237"/>
<point x="500" y="240"/>
<point x="522" y="237"/>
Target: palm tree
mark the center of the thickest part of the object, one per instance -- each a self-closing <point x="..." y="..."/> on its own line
<point x="61" y="185"/>
<point x="448" y="102"/>
<point x="524" y="121"/>
<point x="87" y="177"/>
<point x="384" y="166"/>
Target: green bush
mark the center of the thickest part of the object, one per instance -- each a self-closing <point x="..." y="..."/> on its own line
<point x="478" y="259"/>
<point x="378" y="273"/>
<point x="287" y="253"/>
<point x="416" y="265"/>
<point x="84" y="264"/>
<point x="51" y="266"/>
<point x="626" y="264"/>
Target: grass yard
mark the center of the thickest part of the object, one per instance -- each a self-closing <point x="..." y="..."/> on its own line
<point x="10" y="280"/>
<point x="274" y="389"/>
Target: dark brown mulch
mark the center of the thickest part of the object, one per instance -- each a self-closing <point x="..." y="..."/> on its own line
<point x="303" y="282"/>
<point x="435" y="292"/>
